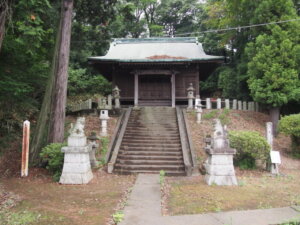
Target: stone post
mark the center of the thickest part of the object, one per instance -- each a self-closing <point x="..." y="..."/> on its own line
<point x="219" y="165"/>
<point x="77" y="167"/>
<point x="197" y="101"/>
<point x="256" y="107"/>
<point x="240" y="105"/>
<point x="269" y="134"/>
<point x="93" y="146"/>
<point x="234" y="104"/>
<point x="227" y="104"/>
<point x="244" y="105"/>
<point x="116" y="95"/>
<point x="190" y="96"/>
<point x="249" y="106"/>
<point x="25" y="148"/>
<point x="199" y="116"/>
<point x="103" y="118"/>
<point x="219" y="103"/>
<point x="109" y="102"/>
<point x="208" y="103"/>
<point x="275" y="155"/>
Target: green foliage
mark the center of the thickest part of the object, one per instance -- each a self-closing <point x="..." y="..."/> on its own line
<point x="227" y="82"/>
<point x="250" y="145"/>
<point x="54" y="159"/>
<point x="290" y="125"/>
<point x="210" y="115"/>
<point x="222" y="115"/>
<point x="162" y="175"/>
<point x="273" y="67"/>
<point x="18" y="218"/>
<point x="292" y="222"/>
<point x="104" y="149"/>
<point x="118" y="217"/>
<point x="81" y="82"/>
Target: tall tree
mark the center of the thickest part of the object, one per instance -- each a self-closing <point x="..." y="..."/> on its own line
<point x="50" y="124"/>
<point x="5" y="12"/>
<point x="274" y="68"/>
<point x="61" y="64"/>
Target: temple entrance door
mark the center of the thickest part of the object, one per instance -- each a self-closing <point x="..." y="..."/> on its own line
<point x="155" y="90"/>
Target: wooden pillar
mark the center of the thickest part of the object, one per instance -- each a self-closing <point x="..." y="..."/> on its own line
<point x="136" y="89"/>
<point x="173" y="90"/>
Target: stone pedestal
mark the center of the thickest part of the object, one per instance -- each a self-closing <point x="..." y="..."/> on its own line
<point x="77" y="167"/>
<point x="220" y="170"/>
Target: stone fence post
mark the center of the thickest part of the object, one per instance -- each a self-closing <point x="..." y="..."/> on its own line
<point x="219" y="103"/>
<point x="234" y="104"/>
<point x="208" y="103"/>
<point x="227" y="104"/>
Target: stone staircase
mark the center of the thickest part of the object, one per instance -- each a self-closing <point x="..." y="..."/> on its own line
<point x="151" y="143"/>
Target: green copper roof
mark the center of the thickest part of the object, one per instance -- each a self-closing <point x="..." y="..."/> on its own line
<point x="183" y="49"/>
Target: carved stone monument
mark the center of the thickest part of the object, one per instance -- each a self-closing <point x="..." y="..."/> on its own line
<point x="219" y="165"/>
<point x="77" y="167"/>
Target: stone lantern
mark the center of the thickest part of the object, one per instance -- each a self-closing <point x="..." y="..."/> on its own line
<point x="190" y="96"/>
<point x="92" y="141"/>
<point x="116" y="95"/>
<point x="103" y="118"/>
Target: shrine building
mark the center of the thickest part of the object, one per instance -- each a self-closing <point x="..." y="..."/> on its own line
<point x="155" y="71"/>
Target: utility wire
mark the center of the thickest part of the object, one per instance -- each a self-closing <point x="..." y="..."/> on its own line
<point x="239" y="28"/>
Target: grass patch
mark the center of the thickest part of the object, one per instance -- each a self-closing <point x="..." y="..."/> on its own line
<point x="222" y="115"/>
<point x="259" y="192"/>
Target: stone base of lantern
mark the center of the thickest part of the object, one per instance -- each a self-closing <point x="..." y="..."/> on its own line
<point x="93" y="160"/>
<point x="77" y="167"/>
<point x="220" y="170"/>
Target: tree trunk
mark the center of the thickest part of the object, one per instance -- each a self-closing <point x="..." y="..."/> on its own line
<point x="59" y="97"/>
<point x="274" y="116"/>
<point x="41" y="134"/>
<point x="4" y="12"/>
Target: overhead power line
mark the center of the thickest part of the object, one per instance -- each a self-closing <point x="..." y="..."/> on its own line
<point x="239" y="28"/>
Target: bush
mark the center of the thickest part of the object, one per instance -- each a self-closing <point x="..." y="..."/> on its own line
<point x="250" y="145"/>
<point x="290" y="125"/>
<point x="54" y="159"/>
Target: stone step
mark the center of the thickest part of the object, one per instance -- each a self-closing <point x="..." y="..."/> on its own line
<point x="153" y="125"/>
<point x="150" y="167"/>
<point x="150" y="162"/>
<point x="151" y="133"/>
<point x="153" y="145"/>
<point x="158" y="136"/>
<point x="128" y="141"/>
<point x="149" y="153"/>
<point x="149" y="157"/>
<point x="152" y="129"/>
<point x="151" y="138"/>
<point x="167" y="172"/>
<point x="150" y="148"/>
